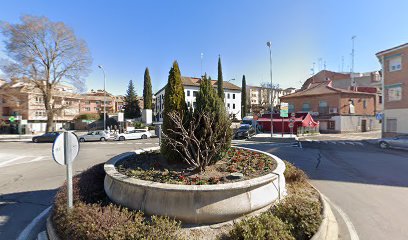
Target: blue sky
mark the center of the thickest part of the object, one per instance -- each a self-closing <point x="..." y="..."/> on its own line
<point x="127" y="36"/>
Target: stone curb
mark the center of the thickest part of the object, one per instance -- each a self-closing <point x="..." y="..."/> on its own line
<point x="329" y="228"/>
<point x="51" y="232"/>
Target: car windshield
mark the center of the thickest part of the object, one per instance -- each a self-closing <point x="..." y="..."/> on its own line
<point x="244" y="127"/>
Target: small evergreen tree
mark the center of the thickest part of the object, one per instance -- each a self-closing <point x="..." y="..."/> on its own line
<point x="174" y="100"/>
<point x="243" y="98"/>
<point x="132" y="109"/>
<point x="147" y="90"/>
<point x="220" y="82"/>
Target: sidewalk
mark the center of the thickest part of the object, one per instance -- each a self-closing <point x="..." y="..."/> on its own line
<point x="16" y="137"/>
<point x="266" y="137"/>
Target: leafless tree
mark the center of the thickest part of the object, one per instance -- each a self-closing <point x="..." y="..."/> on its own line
<point x="198" y="148"/>
<point x="45" y="54"/>
<point x="266" y="92"/>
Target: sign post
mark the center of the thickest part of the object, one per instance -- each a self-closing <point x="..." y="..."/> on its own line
<point x="284" y="109"/>
<point x="64" y="151"/>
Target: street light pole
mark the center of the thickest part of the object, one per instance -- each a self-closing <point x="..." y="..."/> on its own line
<point x="104" y="97"/>
<point x="269" y="44"/>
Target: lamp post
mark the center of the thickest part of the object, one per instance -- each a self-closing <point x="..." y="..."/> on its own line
<point x="269" y="44"/>
<point x="104" y="97"/>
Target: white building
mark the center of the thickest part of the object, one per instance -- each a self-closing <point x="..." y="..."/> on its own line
<point x="191" y="85"/>
<point x="261" y="96"/>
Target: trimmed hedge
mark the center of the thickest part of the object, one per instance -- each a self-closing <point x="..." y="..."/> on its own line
<point x="293" y="174"/>
<point x="94" y="217"/>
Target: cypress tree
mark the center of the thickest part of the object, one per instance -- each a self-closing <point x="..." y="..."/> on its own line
<point x="243" y="98"/>
<point x="147" y="90"/>
<point x="174" y="100"/>
<point x="132" y="109"/>
<point x="220" y="83"/>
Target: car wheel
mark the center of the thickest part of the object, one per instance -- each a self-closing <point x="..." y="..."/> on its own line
<point x="103" y="139"/>
<point x="384" y="145"/>
<point x="121" y="138"/>
<point x="35" y="140"/>
<point x="82" y="140"/>
<point x="144" y="136"/>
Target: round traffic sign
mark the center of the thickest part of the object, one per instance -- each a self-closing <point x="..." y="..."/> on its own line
<point x="67" y="141"/>
<point x="291" y="120"/>
<point x="12" y="119"/>
<point x="291" y="125"/>
<point x="293" y="114"/>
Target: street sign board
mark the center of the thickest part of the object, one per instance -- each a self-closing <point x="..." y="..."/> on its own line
<point x="12" y="119"/>
<point x="284" y="109"/>
<point x="65" y="148"/>
<point x="379" y="116"/>
<point x="291" y="125"/>
<point x="293" y="114"/>
<point x="24" y="122"/>
<point x="121" y="117"/>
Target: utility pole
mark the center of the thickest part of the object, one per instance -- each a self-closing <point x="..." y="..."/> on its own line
<point x="352" y="62"/>
<point x="342" y="64"/>
<point x="269" y="44"/>
<point x="202" y="55"/>
<point x="104" y="97"/>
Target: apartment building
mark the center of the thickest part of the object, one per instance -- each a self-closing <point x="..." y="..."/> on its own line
<point x="232" y="98"/>
<point x="394" y="65"/>
<point x="337" y="110"/>
<point x="259" y="98"/>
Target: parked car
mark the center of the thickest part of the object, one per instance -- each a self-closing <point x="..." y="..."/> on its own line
<point x="245" y="131"/>
<point x="134" y="134"/>
<point x="46" y="137"/>
<point x="95" y="136"/>
<point x="395" y="142"/>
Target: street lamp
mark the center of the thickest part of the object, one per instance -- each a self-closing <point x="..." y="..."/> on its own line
<point x="269" y="44"/>
<point x="104" y="97"/>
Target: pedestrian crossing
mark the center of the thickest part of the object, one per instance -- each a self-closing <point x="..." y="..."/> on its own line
<point x="120" y="143"/>
<point x="335" y="142"/>
<point x="11" y="160"/>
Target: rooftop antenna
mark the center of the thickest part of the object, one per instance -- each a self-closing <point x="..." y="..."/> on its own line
<point x="319" y="61"/>
<point x="342" y="63"/>
<point x="353" y="83"/>
<point x="324" y="65"/>
<point x="202" y="55"/>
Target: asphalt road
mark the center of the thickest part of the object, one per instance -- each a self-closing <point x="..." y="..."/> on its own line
<point x="368" y="186"/>
<point x="29" y="178"/>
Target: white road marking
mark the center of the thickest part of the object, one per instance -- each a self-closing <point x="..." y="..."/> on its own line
<point x="37" y="159"/>
<point x="25" y="234"/>
<point x="346" y="219"/>
<point x="11" y="160"/>
<point x="343" y="143"/>
<point x="351" y="143"/>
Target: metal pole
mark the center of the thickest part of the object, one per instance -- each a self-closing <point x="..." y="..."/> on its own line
<point x="352" y="62"/>
<point x="68" y="162"/>
<point x="269" y="44"/>
<point x="104" y="98"/>
<point x="382" y="96"/>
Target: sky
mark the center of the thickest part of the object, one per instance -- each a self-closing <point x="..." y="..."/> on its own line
<point x="128" y="36"/>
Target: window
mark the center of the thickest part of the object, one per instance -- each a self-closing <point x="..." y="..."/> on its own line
<point x="364" y="104"/>
<point x="380" y="99"/>
<point x="188" y="93"/>
<point x="97" y="102"/>
<point x="323" y="107"/>
<point x="306" y="107"/>
<point x="394" y="64"/>
<point x="194" y="93"/>
<point x="188" y="104"/>
<point x="228" y="96"/>
<point x="394" y="94"/>
<point x="233" y="105"/>
<point x="233" y="96"/>
<point x="291" y="108"/>
<point x="88" y="109"/>
<point x="331" y="125"/>
<point x="228" y="105"/>
<point x="96" y="109"/>
<point x="194" y="104"/>
<point x="87" y="102"/>
<point x="391" y="125"/>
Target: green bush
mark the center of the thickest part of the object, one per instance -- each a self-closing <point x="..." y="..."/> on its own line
<point x="302" y="214"/>
<point x="265" y="226"/>
<point x="89" y="116"/>
<point x="293" y="174"/>
<point x="138" y="125"/>
<point x="94" y="217"/>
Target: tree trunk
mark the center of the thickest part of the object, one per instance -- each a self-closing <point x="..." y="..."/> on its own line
<point x="50" y="121"/>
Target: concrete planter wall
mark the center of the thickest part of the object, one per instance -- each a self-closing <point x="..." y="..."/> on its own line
<point x="195" y="204"/>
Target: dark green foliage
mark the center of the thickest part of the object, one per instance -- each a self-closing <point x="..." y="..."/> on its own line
<point x="243" y="98"/>
<point x="89" y="116"/>
<point x="302" y="214"/>
<point x="220" y="82"/>
<point x="174" y="100"/>
<point x="265" y="226"/>
<point x="132" y="109"/>
<point x="147" y="90"/>
<point x="95" y="218"/>
<point x="294" y="174"/>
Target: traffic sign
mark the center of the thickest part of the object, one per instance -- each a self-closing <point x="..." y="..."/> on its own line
<point x="12" y="119"/>
<point x="120" y="117"/>
<point x="379" y="116"/>
<point x="291" y="120"/>
<point x="65" y="148"/>
<point x="291" y="125"/>
<point x="284" y="109"/>
<point x="293" y="114"/>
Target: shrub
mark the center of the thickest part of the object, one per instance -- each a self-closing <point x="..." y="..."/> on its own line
<point x="95" y="218"/>
<point x="265" y="226"/>
<point x="303" y="215"/>
<point x="88" y="116"/>
<point x="138" y="125"/>
<point x="293" y="174"/>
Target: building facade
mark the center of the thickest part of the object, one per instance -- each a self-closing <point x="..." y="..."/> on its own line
<point x="337" y="110"/>
<point x="232" y="98"/>
<point x="394" y="62"/>
<point x="259" y="98"/>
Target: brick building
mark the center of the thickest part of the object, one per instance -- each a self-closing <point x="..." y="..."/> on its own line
<point x="394" y="62"/>
<point x="337" y="110"/>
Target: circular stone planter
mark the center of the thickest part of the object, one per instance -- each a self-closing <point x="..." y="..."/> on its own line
<point x="194" y="204"/>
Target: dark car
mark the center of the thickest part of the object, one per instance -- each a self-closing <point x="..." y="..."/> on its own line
<point x="46" y="137"/>
<point x="245" y="131"/>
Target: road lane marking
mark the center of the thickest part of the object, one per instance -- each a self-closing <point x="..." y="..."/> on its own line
<point x="351" y="143"/>
<point x="346" y="219"/>
<point x="359" y="143"/>
<point x="11" y="160"/>
<point x="37" y="159"/>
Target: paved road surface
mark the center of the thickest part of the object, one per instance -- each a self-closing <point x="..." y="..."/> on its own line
<point x="29" y="177"/>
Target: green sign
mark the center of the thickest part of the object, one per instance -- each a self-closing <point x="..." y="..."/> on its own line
<point x="12" y="119"/>
<point x="284" y="109"/>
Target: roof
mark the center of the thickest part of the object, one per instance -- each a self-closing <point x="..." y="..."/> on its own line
<point x="195" y="82"/>
<point x="322" y="89"/>
<point x="391" y="49"/>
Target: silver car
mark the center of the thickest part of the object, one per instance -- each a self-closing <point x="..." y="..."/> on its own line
<point x="94" y="136"/>
<point x="395" y="142"/>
